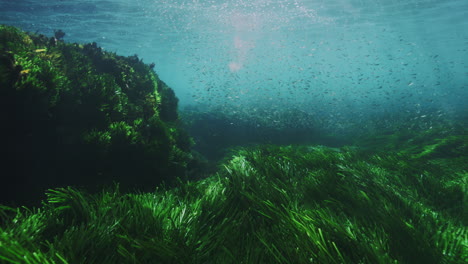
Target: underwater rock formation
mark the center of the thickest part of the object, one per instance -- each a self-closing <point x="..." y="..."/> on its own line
<point x="74" y="114"/>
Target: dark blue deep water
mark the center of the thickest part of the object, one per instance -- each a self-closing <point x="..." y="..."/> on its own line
<point x="343" y="61"/>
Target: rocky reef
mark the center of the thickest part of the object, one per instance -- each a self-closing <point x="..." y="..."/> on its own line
<point x="75" y="114"/>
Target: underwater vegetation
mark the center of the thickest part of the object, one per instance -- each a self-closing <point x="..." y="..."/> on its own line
<point x="269" y="204"/>
<point x="77" y="115"/>
<point x="217" y="129"/>
<point x="77" y="118"/>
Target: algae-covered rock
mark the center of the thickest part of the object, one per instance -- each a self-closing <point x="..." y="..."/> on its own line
<point x="74" y="114"/>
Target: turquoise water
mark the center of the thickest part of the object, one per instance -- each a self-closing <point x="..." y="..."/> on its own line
<point x="342" y="57"/>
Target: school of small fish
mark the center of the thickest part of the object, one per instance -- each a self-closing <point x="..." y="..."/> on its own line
<point x="336" y="59"/>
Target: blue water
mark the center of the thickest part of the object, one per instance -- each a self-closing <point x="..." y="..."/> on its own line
<point x="331" y="56"/>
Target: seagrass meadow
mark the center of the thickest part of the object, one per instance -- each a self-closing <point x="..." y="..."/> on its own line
<point x="103" y="170"/>
<point x="270" y="204"/>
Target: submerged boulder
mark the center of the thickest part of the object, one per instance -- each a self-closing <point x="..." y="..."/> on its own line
<point x="74" y="114"/>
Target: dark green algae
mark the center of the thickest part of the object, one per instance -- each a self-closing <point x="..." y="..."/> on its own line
<point x="77" y="115"/>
